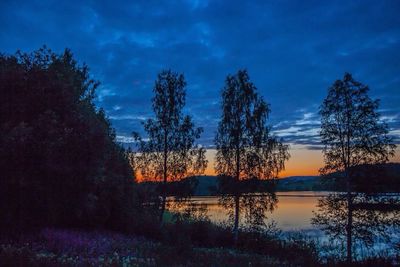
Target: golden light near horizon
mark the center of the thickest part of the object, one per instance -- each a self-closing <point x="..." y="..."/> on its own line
<point x="303" y="161"/>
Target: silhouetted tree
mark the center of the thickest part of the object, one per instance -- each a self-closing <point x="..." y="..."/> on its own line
<point x="246" y="149"/>
<point x="352" y="135"/>
<point x="169" y="152"/>
<point x="59" y="162"/>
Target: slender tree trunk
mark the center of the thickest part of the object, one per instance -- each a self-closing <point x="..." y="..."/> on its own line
<point x="237" y="200"/>
<point x="164" y="182"/>
<point x="349" y="226"/>
<point x="346" y="160"/>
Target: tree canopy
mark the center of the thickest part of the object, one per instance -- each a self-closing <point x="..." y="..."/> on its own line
<point x="169" y="152"/>
<point x="59" y="161"/>
<point x="355" y="141"/>
<point x="246" y="149"/>
<point x="351" y="129"/>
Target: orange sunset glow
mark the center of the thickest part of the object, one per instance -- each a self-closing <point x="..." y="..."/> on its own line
<point x="302" y="162"/>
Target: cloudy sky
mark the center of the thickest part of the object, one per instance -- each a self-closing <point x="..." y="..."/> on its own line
<point x="293" y="51"/>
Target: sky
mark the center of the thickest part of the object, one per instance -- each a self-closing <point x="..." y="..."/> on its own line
<point x="293" y="51"/>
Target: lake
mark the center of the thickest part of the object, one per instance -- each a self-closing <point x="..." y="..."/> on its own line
<point x="294" y="210"/>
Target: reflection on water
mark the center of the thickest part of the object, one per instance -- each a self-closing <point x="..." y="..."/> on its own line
<point x="293" y="210"/>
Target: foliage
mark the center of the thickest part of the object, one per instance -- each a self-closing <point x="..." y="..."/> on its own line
<point x="351" y="130"/>
<point x="171" y="135"/>
<point x="246" y="150"/>
<point x="355" y="142"/>
<point x="169" y="153"/>
<point x="245" y="146"/>
<point x="59" y="161"/>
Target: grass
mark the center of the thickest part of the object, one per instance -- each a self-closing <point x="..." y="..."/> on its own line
<point x="58" y="247"/>
<point x="181" y="243"/>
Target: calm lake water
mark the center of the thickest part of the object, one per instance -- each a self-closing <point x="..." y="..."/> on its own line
<point x="294" y="210"/>
<point x="292" y="213"/>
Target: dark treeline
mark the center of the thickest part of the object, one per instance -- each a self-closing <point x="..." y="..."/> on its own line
<point x="382" y="178"/>
<point x="61" y="166"/>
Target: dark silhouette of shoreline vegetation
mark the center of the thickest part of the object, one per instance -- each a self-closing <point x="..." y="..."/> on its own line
<point x="206" y="185"/>
<point x="60" y="164"/>
<point x="69" y="194"/>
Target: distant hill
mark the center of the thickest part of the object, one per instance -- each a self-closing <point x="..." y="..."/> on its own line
<point x="299" y="183"/>
<point x="388" y="182"/>
<point x="373" y="178"/>
<point x="207" y="185"/>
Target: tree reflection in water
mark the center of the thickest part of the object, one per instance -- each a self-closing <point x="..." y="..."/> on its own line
<point x="254" y="208"/>
<point x="376" y="219"/>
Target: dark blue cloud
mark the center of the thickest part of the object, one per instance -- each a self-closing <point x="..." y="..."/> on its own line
<point x="293" y="50"/>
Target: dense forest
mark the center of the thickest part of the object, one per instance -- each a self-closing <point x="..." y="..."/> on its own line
<point x="60" y="163"/>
